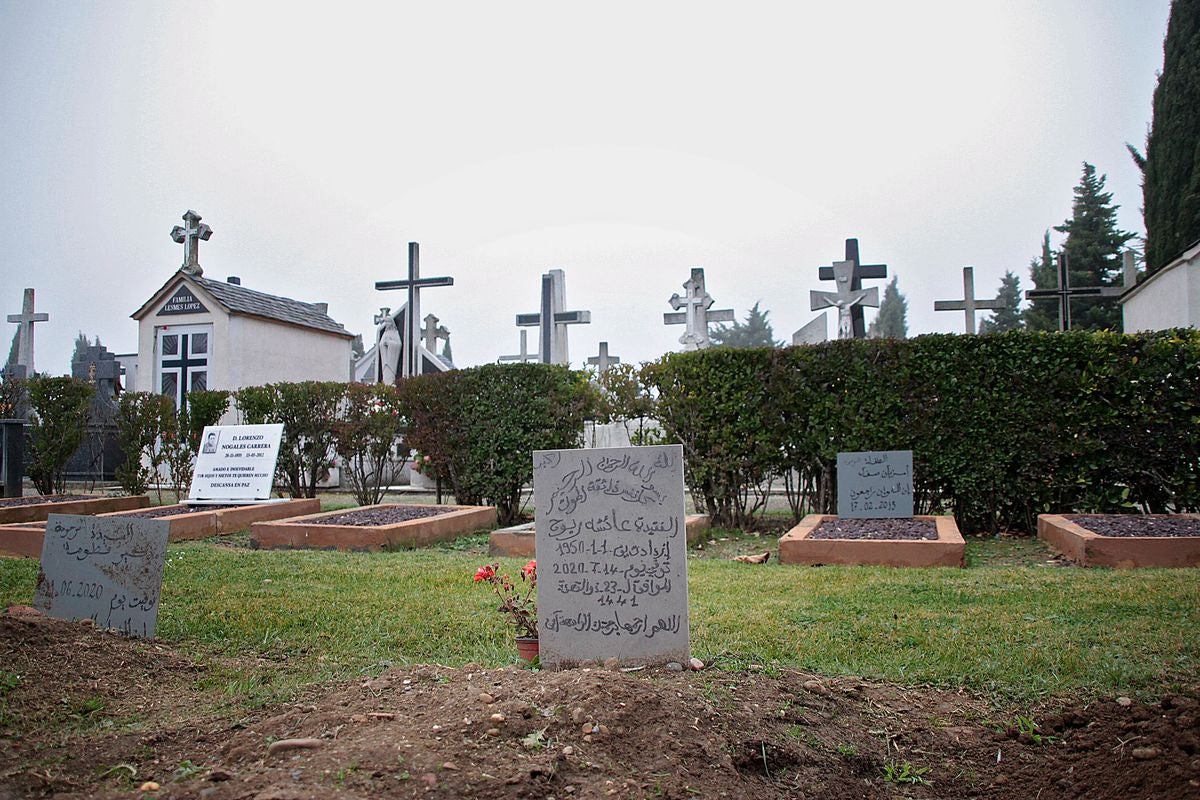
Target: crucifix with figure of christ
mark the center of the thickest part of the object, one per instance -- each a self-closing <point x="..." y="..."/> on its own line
<point x="857" y="273"/>
<point x="845" y="299"/>
<point x="410" y="358"/>
<point x="26" y="320"/>
<point x="189" y="235"/>
<point x="696" y="316"/>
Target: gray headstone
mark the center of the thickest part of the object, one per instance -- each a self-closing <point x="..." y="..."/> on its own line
<point x="875" y="485"/>
<point x="815" y="332"/>
<point x="612" y="555"/>
<point x="107" y="569"/>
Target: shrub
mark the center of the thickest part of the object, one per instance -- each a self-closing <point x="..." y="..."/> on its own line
<point x="367" y="429"/>
<point x="181" y="434"/>
<point x="141" y="419"/>
<point x="307" y="410"/>
<point x="59" y="423"/>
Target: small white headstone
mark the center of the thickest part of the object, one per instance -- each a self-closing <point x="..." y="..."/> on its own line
<point x="612" y="555"/>
<point x="875" y="485"/>
<point x="236" y="464"/>
<point x="107" y="569"/>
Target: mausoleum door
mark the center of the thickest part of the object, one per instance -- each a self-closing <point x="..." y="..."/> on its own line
<point x="184" y="355"/>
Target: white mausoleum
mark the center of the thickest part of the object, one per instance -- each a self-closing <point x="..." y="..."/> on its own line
<point x="1170" y="298"/>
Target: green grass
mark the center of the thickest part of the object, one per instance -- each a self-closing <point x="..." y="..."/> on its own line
<point x="1008" y="624"/>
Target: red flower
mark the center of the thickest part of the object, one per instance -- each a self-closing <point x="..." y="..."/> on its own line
<point x="484" y="573"/>
<point x="530" y="569"/>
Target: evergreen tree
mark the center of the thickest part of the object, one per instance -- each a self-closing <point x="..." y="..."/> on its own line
<point x="1043" y="274"/>
<point x="1171" y="173"/>
<point x="81" y="346"/>
<point x="1009" y="317"/>
<point x="13" y="349"/>
<point x="892" y="320"/>
<point x="754" y="332"/>
<point x="446" y="352"/>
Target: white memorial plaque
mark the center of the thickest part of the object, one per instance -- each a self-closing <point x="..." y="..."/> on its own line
<point x="875" y="485"/>
<point x="107" y="569"/>
<point x="236" y="464"/>
<point x="612" y="555"/>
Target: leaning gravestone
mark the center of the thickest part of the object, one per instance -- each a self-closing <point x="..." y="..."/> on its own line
<point x="612" y="556"/>
<point x="107" y="569"/>
<point x="235" y="464"/>
<point x="875" y="485"/>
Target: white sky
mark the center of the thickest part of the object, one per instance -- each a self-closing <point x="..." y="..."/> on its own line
<point x="622" y="142"/>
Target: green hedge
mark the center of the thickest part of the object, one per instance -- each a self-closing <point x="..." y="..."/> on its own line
<point x="1002" y="427"/>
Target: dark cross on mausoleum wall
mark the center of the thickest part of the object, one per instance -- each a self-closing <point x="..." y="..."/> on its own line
<point x="860" y="271"/>
<point x="1066" y="291"/>
<point x="189" y="235"/>
<point x="410" y="359"/>
<point x="183" y="360"/>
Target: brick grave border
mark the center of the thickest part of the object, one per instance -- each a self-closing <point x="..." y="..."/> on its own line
<point x="301" y="533"/>
<point x="1088" y="549"/>
<point x="24" y="540"/>
<point x="520" y="541"/>
<point x="948" y="550"/>
<point x="34" y="512"/>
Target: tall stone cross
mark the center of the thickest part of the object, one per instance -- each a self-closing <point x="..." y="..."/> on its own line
<point x="25" y="320"/>
<point x="845" y="299"/>
<point x="410" y="358"/>
<point x="1066" y="291"/>
<point x="432" y="332"/>
<point x="860" y="271"/>
<point x="695" y="316"/>
<point x="524" y="355"/>
<point x="603" y="361"/>
<point x="969" y="304"/>
<point x="189" y="235"/>
<point x="552" y="320"/>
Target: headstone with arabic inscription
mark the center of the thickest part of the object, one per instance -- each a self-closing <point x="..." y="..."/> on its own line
<point x="612" y="556"/>
<point x="106" y="569"/>
<point x="875" y="485"/>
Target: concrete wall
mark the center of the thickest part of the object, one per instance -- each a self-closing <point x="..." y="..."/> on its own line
<point x="1168" y="299"/>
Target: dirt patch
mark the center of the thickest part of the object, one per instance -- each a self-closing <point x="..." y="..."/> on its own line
<point x="1140" y="525"/>
<point x="170" y="511"/>
<point x="87" y="713"/>
<point x="380" y="515"/>
<point x="36" y="500"/>
<point x="841" y="528"/>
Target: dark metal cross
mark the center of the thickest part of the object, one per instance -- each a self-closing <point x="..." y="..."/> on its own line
<point x="552" y="320"/>
<point x="860" y="271"/>
<point x="26" y="319"/>
<point x="969" y="304"/>
<point x="410" y="361"/>
<point x="1066" y="291"/>
<point x="189" y="235"/>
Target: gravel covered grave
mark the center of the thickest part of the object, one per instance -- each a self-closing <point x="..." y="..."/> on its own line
<point x="1139" y="525"/>
<point x="875" y="529"/>
<point x="380" y="515"/>
<point x="37" y="500"/>
<point x="171" y="511"/>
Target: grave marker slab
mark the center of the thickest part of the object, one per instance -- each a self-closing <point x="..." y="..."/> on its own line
<point x="107" y="569"/>
<point x="875" y="485"/>
<point x="236" y="464"/>
<point x="612" y="555"/>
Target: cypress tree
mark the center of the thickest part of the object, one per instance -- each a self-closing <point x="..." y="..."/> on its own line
<point x="1043" y="274"/>
<point x="1008" y="318"/>
<point x="754" y="332"/>
<point x="892" y="320"/>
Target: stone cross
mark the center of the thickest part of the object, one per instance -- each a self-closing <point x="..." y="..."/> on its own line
<point x="432" y="332"/>
<point x="524" y="355"/>
<point x="189" y="235"/>
<point x="1066" y="291"/>
<point x="695" y="316"/>
<point x="603" y="361"/>
<point x="845" y="299"/>
<point x="969" y="304"/>
<point x="860" y="271"/>
<point x="410" y="359"/>
<point x="25" y="320"/>
<point x="98" y="366"/>
<point x="552" y="320"/>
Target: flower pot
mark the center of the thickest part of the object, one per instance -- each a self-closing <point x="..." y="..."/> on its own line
<point x="527" y="647"/>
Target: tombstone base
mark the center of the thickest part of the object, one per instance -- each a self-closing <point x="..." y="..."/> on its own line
<point x="1088" y="549"/>
<point x="520" y="541"/>
<point x="948" y="550"/>
<point x="34" y="512"/>
<point x="303" y="533"/>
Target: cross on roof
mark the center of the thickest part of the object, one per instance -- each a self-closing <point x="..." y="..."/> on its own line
<point x="1066" y="291"/>
<point x="603" y="361"/>
<point x="189" y="235"/>
<point x="695" y="315"/>
<point x="969" y="304"/>
<point x="432" y="332"/>
<point x="524" y="355"/>
<point x="845" y="299"/>
<point x="860" y="271"/>
<point x="26" y="320"/>
<point x="410" y="360"/>
<point x="552" y="320"/>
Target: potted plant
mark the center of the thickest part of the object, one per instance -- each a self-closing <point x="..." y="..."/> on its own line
<point x="518" y="603"/>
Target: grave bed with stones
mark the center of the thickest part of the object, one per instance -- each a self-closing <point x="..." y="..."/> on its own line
<point x="372" y="528"/>
<point x="186" y="522"/>
<point x="520" y="541"/>
<point x="919" y="541"/>
<point x="33" y="509"/>
<point x="1124" y="540"/>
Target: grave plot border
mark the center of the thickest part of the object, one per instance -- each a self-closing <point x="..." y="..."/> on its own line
<point x="520" y="541"/>
<point x="1089" y="549"/>
<point x="948" y="550"/>
<point x="24" y="540"/>
<point x="300" y="533"/>
<point x="35" y="512"/>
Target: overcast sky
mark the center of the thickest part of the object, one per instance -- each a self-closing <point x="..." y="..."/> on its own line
<point x="624" y="143"/>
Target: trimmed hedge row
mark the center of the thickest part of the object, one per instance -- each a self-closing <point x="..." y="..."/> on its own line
<point x="1002" y="427"/>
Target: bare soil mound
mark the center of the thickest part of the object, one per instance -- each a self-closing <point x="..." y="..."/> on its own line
<point x="85" y="713"/>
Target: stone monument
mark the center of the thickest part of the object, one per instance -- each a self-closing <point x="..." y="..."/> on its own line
<point x="969" y="304"/>
<point x="875" y="485"/>
<point x="524" y="355"/>
<point x="603" y="361"/>
<point x="189" y="235"/>
<point x="25" y="320"/>
<point x="552" y="320"/>
<point x="412" y="360"/>
<point x="845" y="299"/>
<point x="696" y="316"/>
<point x="858" y="272"/>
